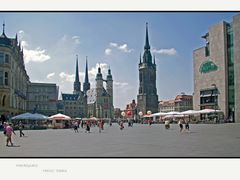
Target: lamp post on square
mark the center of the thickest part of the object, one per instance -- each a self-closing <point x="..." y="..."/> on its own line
<point x="140" y="114"/>
<point x="215" y="102"/>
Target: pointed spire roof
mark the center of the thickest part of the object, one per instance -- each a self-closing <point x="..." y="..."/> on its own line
<point x="3" y="33"/>
<point x="146" y="46"/>
<point x="77" y="72"/>
<point x="109" y="71"/>
<point x="140" y="59"/>
<point x="86" y="72"/>
<point x="154" y="62"/>
<point x="99" y="68"/>
<point x="3" y="27"/>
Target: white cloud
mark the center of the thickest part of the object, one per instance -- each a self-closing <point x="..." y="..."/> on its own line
<point x="20" y="34"/>
<point x="37" y="55"/>
<point x="108" y="51"/>
<point x="34" y="55"/>
<point x="113" y="44"/>
<point x="120" y="84"/>
<point x="124" y="48"/>
<point x="169" y="52"/>
<point x="67" y="77"/>
<point x="24" y="44"/>
<point x="50" y="75"/>
<point x="76" y="39"/>
<point x="94" y="70"/>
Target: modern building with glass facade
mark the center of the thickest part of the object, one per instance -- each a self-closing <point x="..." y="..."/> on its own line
<point x="216" y="70"/>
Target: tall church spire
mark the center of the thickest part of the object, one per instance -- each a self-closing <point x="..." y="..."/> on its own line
<point x="3" y="27"/>
<point x="147" y="46"/>
<point x="77" y="85"/>
<point x="3" y="33"/>
<point x="140" y="59"/>
<point x="147" y="57"/>
<point x="147" y="98"/>
<point x="86" y="71"/>
<point x="86" y="84"/>
<point x="76" y="75"/>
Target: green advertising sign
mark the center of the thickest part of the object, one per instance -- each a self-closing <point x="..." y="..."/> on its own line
<point x="207" y="67"/>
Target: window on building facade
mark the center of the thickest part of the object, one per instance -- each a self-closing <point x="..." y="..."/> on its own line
<point x="1" y="78"/>
<point x="6" y="78"/>
<point x="7" y="58"/>
<point x="1" y="58"/>
<point x="3" y="100"/>
<point x="207" y="50"/>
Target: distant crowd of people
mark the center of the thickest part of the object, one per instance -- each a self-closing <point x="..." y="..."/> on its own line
<point x="8" y="129"/>
<point x="88" y="124"/>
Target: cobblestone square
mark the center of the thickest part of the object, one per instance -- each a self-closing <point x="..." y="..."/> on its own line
<point x="203" y="140"/>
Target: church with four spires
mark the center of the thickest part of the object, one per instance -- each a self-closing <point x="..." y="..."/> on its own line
<point x="96" y="102"/>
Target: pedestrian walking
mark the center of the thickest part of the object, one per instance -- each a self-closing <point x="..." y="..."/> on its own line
<point x="87" y="127"/>
<point x="21" y="127"/>
<point x="9" y="132"/>
<point x="180" y="123"/>
<point x="100" y="126"/>
<point x="149" y="122"/>
<point x="121" y="125"/>
<point x="167" y="124"/>
<point x="187" y="125"/>
<point x="82" y="123"/>
<point x="75" y="127"/>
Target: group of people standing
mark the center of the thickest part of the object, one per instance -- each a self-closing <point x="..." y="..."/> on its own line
<point x="87" y="125"/>
<point x="8" y="131"/>
<point x="181" y="122"/>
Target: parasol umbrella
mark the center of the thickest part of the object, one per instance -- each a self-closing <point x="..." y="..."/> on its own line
<point x="30" y="116"/>
<point x="173" y="113"/>
<point x="93" y="118"/>
<point x="23" y="116"/>
<point x="37" y="116"/>
<point x="173" y="116"/>
<point x="60" y="116"/>
<point x="206" y="111"/>
<point x="190" y="112"/>
<point x="158" y="114"/>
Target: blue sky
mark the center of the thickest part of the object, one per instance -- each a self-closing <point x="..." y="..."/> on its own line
<point x="52" y="40"/>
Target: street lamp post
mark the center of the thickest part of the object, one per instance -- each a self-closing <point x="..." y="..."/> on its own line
<point x="123" y="115"/>
<point x="215" y="103"/>
<point x="140" y="114"/>
<point x="149" y="120"/>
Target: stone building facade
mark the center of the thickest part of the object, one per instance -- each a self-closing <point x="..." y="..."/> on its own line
<point x="42" y="98"/>
<point x="147" y="98"/>
<point x="167" y="105"/>
<point x="181" y="103"/>
<point x="75" y="104"/>
<point x="13" y="76"/>
<point x="96" y="102"/>
<point x="216" y="70"/>
<point x="100" y="99"/>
